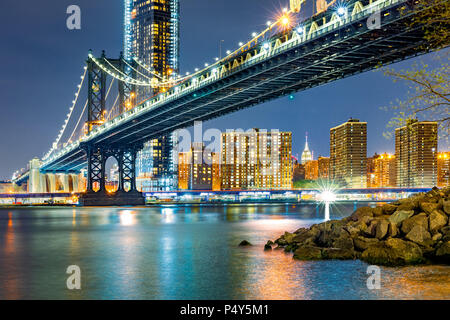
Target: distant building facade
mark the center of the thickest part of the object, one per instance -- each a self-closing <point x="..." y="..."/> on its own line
<point x="197" y="169"/>
<point x="443" y="169"/>
<point x="381" y="171"/>
<point x="299" y="171"/>
<point x="312" y="170"/>
<point x="256" y="160"/>
<point x="348" y="154"/>
<point x="323" y="166"/>
<point x="416" y="154"/>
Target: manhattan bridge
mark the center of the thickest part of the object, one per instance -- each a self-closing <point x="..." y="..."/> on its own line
<point x="289" y="56"/>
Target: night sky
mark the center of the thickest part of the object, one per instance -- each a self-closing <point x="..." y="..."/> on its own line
<point x="41" y="64"/>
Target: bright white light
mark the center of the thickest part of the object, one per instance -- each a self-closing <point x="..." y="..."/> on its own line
<point x="240" y="44"/>
<point x="266" y="45"/>
<point x="206" y="64"/>
<point x="228" y="51"/>
<point x="341" y="11"/>
<point x="300" y="30"/>
<point x="285" y="10"/>
<point x="269" y="23"/>
<point x="217" y="59"/>
<point x="328" y="196"/>
<point x="254" y="34"/>
<point x="196" y="69"/>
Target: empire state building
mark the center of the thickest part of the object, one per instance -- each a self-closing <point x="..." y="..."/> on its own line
<point x="306" y="155"/>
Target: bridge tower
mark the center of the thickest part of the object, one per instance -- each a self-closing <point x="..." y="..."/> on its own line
<point x="96" y="95"/>
<point x="98" y="154"/>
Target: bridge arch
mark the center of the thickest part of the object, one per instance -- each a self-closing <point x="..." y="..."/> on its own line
<point x="112" y="174"/>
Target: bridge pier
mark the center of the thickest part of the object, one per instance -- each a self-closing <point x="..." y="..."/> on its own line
<point x="96" y="194"/>
<point x="51" y="178"/>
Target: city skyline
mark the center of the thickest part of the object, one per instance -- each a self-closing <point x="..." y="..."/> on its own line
<point x="47" y="80"/>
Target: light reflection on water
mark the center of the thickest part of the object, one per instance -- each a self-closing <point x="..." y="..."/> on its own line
<point x="185" y="253"/>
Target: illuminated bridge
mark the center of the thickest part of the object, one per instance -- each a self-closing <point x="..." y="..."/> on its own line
<point x="286" y="58"/>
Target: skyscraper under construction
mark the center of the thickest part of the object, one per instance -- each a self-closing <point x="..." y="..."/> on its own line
<point x="151" y="34"/>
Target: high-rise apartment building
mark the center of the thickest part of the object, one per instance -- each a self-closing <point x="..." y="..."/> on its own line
<point x="256" y="160"/>
<point x="151" y="33"/>
<point x="443" y="169"/>
<point x="348" y="154"/>
<point x="416" y="154"/>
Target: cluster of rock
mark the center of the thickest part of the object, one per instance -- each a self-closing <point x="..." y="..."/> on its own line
<point x="414" y="230"/>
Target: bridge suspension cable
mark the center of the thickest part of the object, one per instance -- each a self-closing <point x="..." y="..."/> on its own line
<point x="84" y="109"/>
<point x="129" y="65"/>
<point x="64" y="126"/>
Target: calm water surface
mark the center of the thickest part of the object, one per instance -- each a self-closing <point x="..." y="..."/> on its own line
<point x="190" y="252"/>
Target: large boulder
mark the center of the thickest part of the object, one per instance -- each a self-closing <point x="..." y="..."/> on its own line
<point x="381" y="229"/>
<point x="306" y="236"/>
<point x="361" y="212"/>
<point x="419" y="235"/>
<point x="329" y="231"/>
<point x="445" y="231"/>
<point x="393" y="230"/>
<point x="420" y="219"/>
<point x="443" y="252"/>
<point x="389" y="209"/>
<point x="301" y="230"/>
<point x="408" y="204"/>
<point x="446" y="207"/>
<point x="338" y="253"/>
<point x="355" y="228"/>
<point x="288" y="237"/>
<point x="308" y="253"/>
<point x="398" y="216"/>
<point x="437" y="219"/>
<point x="378" y="211"/>
<point x="393" y="252"/>
<point x="343" y="242"/>
<point x="244" y="243"/>
<point x="429" y="207"/>
<point x="362" y="243"/>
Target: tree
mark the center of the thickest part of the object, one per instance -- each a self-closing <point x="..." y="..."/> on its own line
<point x="428" y="95"/>
<point x="428" y="87"/>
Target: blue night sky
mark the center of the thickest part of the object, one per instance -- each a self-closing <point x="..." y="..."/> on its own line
<point x="41" y="64"/>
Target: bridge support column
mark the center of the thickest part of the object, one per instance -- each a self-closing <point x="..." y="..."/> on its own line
<point x="51" y="182"/>
<point x="64" y="178"/>
<point x="35" y="179"/>
<point x="75" y="182"/>
<point x="126" y="194"/>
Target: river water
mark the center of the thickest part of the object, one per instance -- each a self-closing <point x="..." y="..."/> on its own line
<point x="185" y="252"/>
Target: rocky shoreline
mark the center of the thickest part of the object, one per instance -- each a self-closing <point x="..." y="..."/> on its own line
<point x="414" y="230"/>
